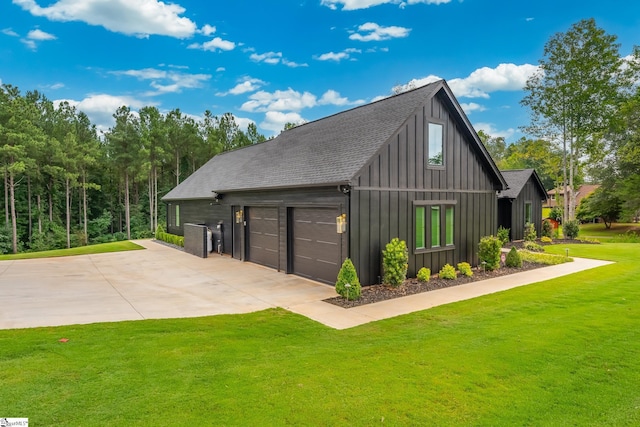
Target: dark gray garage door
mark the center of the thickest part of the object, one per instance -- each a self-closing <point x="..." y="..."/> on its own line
<point x="316" y="244"/>
<point x="262" y="234"/>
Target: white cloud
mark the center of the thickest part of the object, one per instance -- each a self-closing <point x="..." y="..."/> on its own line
<point x="33" y="37"/>
<point x="470" y="107"/>
<point x="371" y="31"/>
<point x="220" y="69"/>
<point x="489" y="129"/>
<point x="505" y="77"/>
<point x="275" y="120"/>
<point x="207" y="30"/>
<point x="243" y="122"/>
<point x="338" y="56"/>
<point x="10" y="32"/>
<point x="29" y="43"/>
<point x="267" y="57"/>
<point x="292" y="64"/>
<point x="166" y="81"/>
<point x="101" y="107"/>
<point x="140" y="18"/>
<point x="247" y="85"/>
<point x="481" y="82"/>
<point x="291" y="100"/>
<point x="364" y="4"/>
<point x="332" y="97"/>
<point x="280" y="100"/>
<point x="212" y="45"/>
<point x="40" y="35"/>
<point x="273" y="58"/>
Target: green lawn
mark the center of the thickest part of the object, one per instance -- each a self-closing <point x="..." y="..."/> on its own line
<point x="600" y="232"/>
<point x="563" y="352"/>
<point x="81" y="250"/>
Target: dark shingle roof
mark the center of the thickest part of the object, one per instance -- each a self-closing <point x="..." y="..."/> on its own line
<point x="516" y="180"/>
<point x="329" y="151"/>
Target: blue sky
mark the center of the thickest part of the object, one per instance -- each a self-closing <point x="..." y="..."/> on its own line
<point x="272" y="62"/>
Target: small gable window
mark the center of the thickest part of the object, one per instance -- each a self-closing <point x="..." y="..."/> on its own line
<point x="435" y="145"/>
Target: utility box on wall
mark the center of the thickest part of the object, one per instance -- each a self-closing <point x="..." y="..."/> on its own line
<point x="195" y="240"/>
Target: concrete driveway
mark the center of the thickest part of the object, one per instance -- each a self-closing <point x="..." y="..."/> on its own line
<point x="159" y="282"/>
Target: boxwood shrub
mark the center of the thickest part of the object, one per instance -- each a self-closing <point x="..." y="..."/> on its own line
<point x="513" y="258"/>
<point x="489" y="252"/>
<point x="348" y="275"/>
<point x="424" y="274"/>
<point x="465" y="269"/>
<point x="395" y="262"/>
<point x="448" y="272"/>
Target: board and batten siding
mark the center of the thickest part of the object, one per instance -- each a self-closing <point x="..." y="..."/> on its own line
<point x="385" y="191"/>
<point x="529" y="193"/>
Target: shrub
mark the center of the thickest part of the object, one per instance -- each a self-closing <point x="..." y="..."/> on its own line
<point x="628" y="237"/>
<point x="547" y="259"/>
<point x="513" y="258"/>
<point x="159" y="231"/>
<point x="571" y="229"/>
<point x="489" y="252"/>
<point x="348" y="275"/>
<point x="546" y="239"/>
<point x="503" y="235"/>
<point x="530" y="234"/>
<point x="556" y="213"/>
<point x="533" y="247"/>
<point x="395" y="262"/>
<point x="424" y="274"/>
<point x="465" y="269"/>
<point x="448" y="272"/>
<point x="6" y="240"/>
<point x="547" y="229"/>
<point x="170" y="238"/>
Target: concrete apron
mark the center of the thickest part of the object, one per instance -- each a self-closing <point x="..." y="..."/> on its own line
<point x="161" y="282"/>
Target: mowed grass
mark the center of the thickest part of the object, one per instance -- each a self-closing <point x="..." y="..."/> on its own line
<point x="617" y="231"/>
<point x="81" y="250"/>
<point x="557" y="353"/>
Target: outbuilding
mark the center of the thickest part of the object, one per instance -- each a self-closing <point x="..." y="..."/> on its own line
<point x="522" y="202"/>
<point x="408" y="166"/>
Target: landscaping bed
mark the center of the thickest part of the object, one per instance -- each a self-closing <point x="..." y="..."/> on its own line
<point x="377" y="293"/>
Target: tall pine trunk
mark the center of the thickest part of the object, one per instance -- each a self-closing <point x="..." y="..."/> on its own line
<point x="151" y="199"/>
<point x="127" y="215"/>
<point x="155" y="197"/>
<point x="14" y="219"/>
<point x="6" y="199"/>
<point x="38" y="202"/>
<point x="84" y="204"/>
<point x="68" y="209"/>
<point x="29" y="206"/>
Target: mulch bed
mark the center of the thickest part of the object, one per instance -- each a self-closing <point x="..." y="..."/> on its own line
<point x="377" y="293"/>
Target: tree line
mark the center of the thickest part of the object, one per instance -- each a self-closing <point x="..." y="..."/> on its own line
<point x="65" y="184"/>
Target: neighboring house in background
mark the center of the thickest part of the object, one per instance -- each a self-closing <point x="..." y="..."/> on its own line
<point x="408" y="166"/>
<point x="555" y="196"/>
<point x="521" y="202"/>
